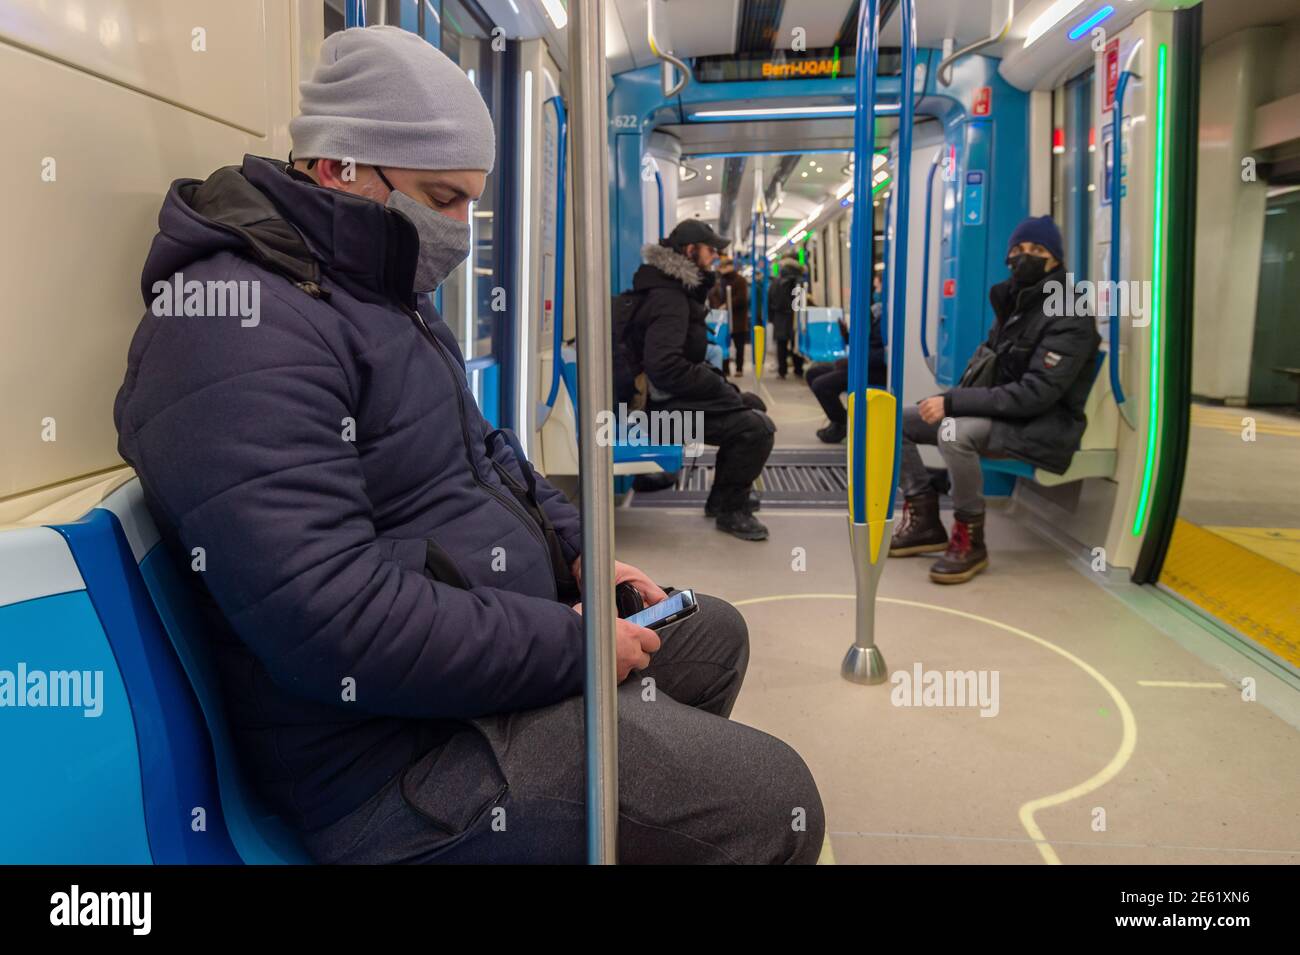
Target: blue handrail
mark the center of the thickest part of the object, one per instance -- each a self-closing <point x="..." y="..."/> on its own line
<point x="557" y="319"/>
<point x="903" y="193"/>
<point x="925" y="267"/>
<point x="1116" y="236"/>
<point x="864" y="129"/>
<point x="354" y="13"/>
<point x="659" y="185"/>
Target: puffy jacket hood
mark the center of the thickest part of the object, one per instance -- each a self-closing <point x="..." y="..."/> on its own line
<point x="674" y="269"/>
<point x="243" y="209"/>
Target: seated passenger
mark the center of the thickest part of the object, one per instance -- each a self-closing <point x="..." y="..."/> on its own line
<point x="829" y="380"/>
<point x="386" y="581"/>
<point x="674" y="283"/>
<point x="1022" y="396"/>
<point x="729" y="280"/>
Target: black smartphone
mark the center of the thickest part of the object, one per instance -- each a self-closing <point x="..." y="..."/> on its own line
<point x="673" y="609"/>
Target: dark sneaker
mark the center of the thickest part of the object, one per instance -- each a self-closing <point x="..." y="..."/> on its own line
<point x="752" y="504"/>
<point x="833" y="433"/>
<point x="966" y="555"/>
<point x="742" y="524"/>
<point x="919" y="530"/>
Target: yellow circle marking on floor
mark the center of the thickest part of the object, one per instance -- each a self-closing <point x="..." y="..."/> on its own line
<point x="1128" y="739"/>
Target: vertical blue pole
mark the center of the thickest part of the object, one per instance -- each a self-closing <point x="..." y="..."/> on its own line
<point x="557" y="317"/>
<point x="864" y="137"/>
<point x="864" y="663"/>
<point x="354" y="13"/>
<point x="902" y="193"/>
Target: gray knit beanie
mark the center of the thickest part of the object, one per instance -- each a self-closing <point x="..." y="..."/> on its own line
<point x="382" y="96"/>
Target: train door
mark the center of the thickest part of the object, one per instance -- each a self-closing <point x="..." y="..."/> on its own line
<point x="1117" y="498"/>
<point x="1234" y="551"/>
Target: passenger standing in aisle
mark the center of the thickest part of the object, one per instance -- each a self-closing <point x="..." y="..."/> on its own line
<point x="781" y="309"/>
<point x="731" y="280"/>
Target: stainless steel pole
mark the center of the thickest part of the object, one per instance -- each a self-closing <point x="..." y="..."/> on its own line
<point x="595" y="394"/>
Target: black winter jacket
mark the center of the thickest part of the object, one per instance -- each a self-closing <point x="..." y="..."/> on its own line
<point x="780" y="301"/>
<point x="670" y="320"/>
<point x="1045" y="369"/>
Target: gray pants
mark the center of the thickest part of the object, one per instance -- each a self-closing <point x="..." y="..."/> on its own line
<point x="960" y="450"/>
<point x="693" y="786"/>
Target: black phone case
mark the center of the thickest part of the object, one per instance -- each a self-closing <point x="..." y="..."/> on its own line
<point x="628" y="600"/>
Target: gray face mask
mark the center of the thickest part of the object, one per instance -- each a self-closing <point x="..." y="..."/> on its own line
<point x="444" y="242"/>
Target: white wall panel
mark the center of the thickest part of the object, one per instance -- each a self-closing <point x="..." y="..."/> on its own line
<point x="121" y="111"/>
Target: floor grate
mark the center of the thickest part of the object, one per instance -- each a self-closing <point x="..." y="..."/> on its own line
<point x="793" y="478"/>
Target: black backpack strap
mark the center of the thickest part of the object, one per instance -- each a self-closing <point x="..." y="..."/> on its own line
<point x="566" y="585"/>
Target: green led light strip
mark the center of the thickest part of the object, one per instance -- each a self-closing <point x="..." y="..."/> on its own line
<point x="1157" y="294"/>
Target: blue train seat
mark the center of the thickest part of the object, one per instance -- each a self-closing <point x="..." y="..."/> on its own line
<point x="155" y="778"/>
<point x="1096" y="455"/>
<point x="629" y="458"/>
<point x="820" y="338"/>
<point x="719" y="325"/>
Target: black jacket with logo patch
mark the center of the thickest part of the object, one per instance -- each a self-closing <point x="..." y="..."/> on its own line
<point x="1045" y="369"/>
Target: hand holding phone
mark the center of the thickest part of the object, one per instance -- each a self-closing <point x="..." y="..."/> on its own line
<point x="633" y="645"/>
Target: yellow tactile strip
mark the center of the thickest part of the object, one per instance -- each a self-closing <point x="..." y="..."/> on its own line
<point x="1281" y="545"/>
<point x="1253" y="595"/>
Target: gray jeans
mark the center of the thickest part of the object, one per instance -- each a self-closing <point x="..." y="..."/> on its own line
<point x="961" y="449"/>
<point x="693" y="786"/>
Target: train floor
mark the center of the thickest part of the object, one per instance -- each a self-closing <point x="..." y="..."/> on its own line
<point x="1118" y="739"/>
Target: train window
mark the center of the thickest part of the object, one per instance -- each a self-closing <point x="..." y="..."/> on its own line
<point x="335" y="18"/>
<point x="465" y="36"/>
<point x="1074" y="149"/>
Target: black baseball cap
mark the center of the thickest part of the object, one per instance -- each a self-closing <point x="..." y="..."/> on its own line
<point x="697" y="232"/>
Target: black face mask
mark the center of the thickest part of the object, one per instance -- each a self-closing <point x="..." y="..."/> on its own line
<point x="1027" y="270"/>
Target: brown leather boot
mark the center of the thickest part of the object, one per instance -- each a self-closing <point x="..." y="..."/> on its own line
<point x="966" y="555"/>
<point x="919" y="529"/>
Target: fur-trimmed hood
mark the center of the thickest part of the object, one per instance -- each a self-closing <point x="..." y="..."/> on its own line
<point x="672" y="264"/>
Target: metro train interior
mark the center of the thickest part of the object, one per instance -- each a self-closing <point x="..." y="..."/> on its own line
<point x="1141" y="608"/>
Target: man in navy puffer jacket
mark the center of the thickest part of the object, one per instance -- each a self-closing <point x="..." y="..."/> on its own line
<point x="387" y="583"/>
